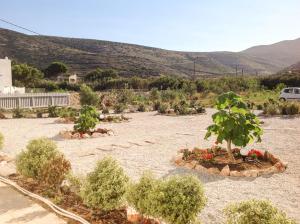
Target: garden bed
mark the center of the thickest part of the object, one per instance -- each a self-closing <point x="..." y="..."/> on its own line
<point x="71" y="202"/>
<point x="99" y="132"/>
<point x="216" y="161"/>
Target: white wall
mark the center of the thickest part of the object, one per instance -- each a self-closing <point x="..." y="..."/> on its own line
<point x="5" y="73"/>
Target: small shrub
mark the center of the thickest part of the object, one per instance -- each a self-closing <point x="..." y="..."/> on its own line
<point x="182" y="108"/>
<point x="55" y="170"/>
<point x="138" y="194"/>
<point x="156" y="105"/>
<point x="18" y="113"/>
<point x="179" y="199"/>
<point x="1" y="140"/>
<point x="141" y="107"/>
<point x="88" y="96"/>
<point x="259" y="107"/>
<point x="39" y="114"/>
<point x="105" y="187"/>
<point x="105" y="110"/>
<point x="119" y="108"/>
<point x="288" y="108"/>
<point x="255" y="211"/>
<point x="53" y="111"/>
<point x="38" y="152"/>
<point x="271" y="109"/>
<point x="163" y="108"/>
<point x="87" y="120"/>
<point x="68" y="113"/>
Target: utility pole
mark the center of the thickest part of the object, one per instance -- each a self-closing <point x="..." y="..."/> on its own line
<point x="236" y="70"/>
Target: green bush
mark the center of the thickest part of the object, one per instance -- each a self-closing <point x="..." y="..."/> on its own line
<point x="68" y="112"/>
<point x="105" y="110"/>
<point x="87" y="120"/>
<point x="105" y="187"/>
<point x="163" y="108"/>
<point x="1" y="140"/>
<point x="39" y="113"/>
<point x="179" y="199"/>
<point x="156" y="105"/>
<point x="271" y="109"/>
<point x="138" y="194"/>
<point x="18" y="113"/>
<point x="119" y="108"/>
<point x="182" y="108"/>
<point x="141" y="107"/>
<point x="255" y="212"/>
<point x="53" y="111"/>
<point x="38" y="152"/>
<point x="88" y="96"/>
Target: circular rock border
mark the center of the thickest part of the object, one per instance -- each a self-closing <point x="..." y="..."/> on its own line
<point x="100" y="132"/>
<point x="278" y="167"/>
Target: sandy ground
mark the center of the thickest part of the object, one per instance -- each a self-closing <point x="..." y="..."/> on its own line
<point x="149" y="141"/>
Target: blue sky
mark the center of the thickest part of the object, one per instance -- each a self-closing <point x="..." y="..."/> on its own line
<point x="187" y="25"/>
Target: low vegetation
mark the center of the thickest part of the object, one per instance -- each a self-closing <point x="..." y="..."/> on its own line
<point x="105" y="187"/>
<point x="255" y="211"/>
<point x="1" y="140"/>
<point x="87" y="120"/>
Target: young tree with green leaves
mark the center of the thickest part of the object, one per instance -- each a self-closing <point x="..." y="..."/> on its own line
<point x="87" y="120"/>
<point x="234" y="122"/>
<point x="24" y="75"/>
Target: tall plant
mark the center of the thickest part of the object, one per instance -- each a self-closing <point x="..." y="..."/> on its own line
<point x="234" y="122"/>
<point x="87" y="120"/>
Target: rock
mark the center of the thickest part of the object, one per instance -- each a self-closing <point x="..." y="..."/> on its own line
<point x="270" y="157"/>
<point x="250" y="173"/>
<point x="76" y="136"/>
<point x="178" y="159"/>
<point x="200" y="168"/>
<point x="279" y="166"/>
<point x="96" y="135"/>
<point x="190" y="165"/>
<point x="65" y="134"/>
<point x="213" y="170"/>
<point x="225" y="171"/>
<point x="235" y="173"/>
<point x="86" y="136"/>
<point x="268" y="171"/>
<point x="194" y="163"/>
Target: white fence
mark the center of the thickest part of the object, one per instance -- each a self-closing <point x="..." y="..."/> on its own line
<point x="33" y="100"/>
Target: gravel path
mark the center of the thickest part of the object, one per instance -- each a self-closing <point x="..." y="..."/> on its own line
<point x="149" y="141"/>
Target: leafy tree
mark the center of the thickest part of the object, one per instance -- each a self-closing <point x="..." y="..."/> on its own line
<point x="88" y="96"/>
<point x="24" y="75"/>
<point x="87" y="120"/>
<point x="101" y="75"/>
<point x="55" y="68"/>
<point x="234" y="122"/>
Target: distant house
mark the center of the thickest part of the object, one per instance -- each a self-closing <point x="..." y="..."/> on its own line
<point x="71" y="79"/>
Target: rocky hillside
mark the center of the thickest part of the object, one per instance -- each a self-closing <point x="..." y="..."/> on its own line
<point x="84" y="55"/>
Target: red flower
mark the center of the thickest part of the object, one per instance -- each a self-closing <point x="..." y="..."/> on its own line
<point x="207" y="156"/>
<point x="255" y="152"/>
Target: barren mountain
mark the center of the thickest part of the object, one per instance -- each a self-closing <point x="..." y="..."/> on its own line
<point x="84" y="55"/>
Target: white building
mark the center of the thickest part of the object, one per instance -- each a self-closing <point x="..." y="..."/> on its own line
<point x="6" y="78"/>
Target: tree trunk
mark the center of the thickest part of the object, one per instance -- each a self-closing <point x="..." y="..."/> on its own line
<point x="231" y="157"/>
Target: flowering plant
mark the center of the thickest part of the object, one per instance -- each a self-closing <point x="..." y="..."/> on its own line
<point x="207" y="156"/>
<point x="255" y="153"/>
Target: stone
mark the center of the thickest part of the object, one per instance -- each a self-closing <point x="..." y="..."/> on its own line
<point x="194" y="163"/>
<point x="200" y="168"/>
<point x="86" y="136"/>
<point x="270" y="157"/>
<point x="279" y="166"/>
<point x="65" y="134"/>
<point x="96" y="135"/>
<point x="178" y="159"/>
<point x="225" y="171"/>
<point x="213" y="170"/>
<point x="250" y="173"/>
<point x="189" y="165"/>
<point x="235" y="173"/>
<point x="268" y="171"/>
<point x="76" y="136"/>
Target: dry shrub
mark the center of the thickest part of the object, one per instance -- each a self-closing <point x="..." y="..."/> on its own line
<point x="54" y="171"/>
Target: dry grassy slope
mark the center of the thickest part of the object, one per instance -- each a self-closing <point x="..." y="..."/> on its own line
<point x="294" y="67"/>
<point x="284" y="53"/>
<point x="83" y="55"/>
